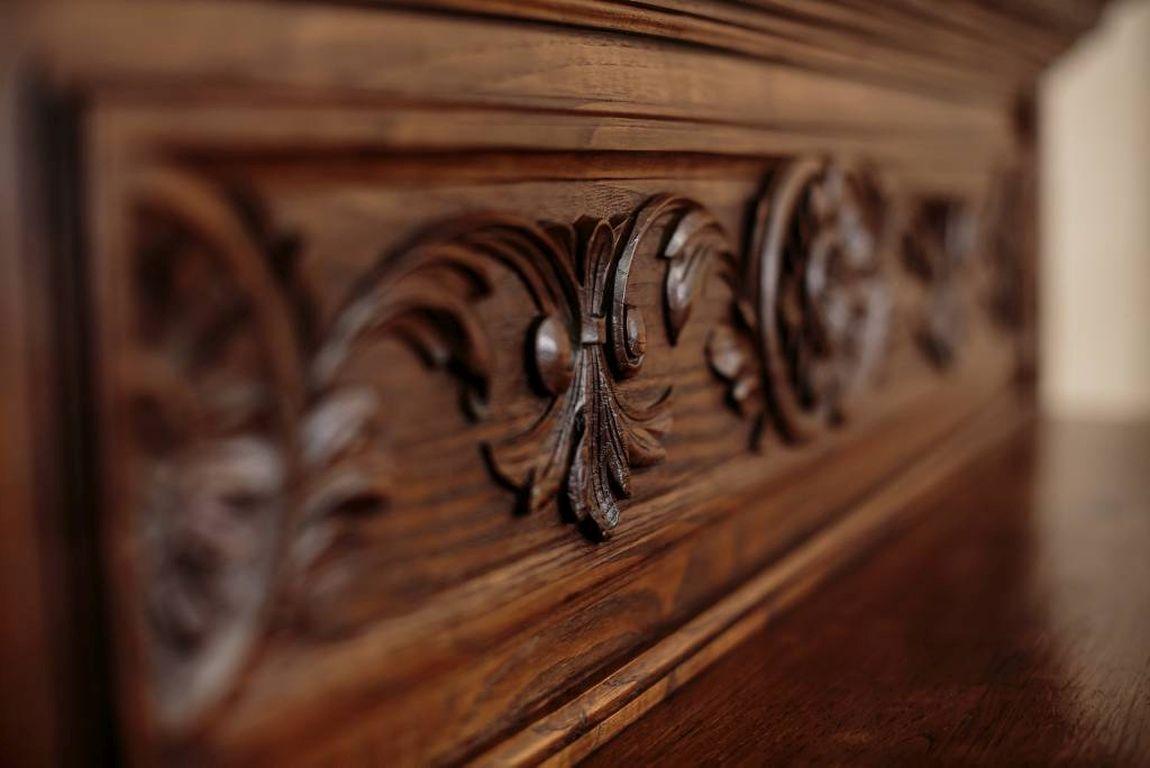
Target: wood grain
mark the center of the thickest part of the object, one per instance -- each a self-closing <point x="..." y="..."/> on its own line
<point x="30" y="728"/>
<point x="959" y="51"/>
<point x="341" y="317"/>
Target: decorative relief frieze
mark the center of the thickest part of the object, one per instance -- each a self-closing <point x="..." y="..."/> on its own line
<point x="253" y="462"/>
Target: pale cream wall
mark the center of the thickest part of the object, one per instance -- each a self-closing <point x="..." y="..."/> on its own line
<point x="1095" y="228"/>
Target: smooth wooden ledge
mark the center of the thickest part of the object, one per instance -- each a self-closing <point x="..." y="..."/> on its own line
<point x="355" y="56"/>
<point x="1012" y="627"/>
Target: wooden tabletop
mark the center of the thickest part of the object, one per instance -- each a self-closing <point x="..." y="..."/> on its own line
<point x="1009" y="625"/>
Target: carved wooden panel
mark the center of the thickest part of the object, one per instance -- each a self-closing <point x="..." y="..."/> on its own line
<point x="459" y="385"/>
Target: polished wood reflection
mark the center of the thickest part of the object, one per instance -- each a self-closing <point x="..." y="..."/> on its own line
<point x="1010" y="626"/>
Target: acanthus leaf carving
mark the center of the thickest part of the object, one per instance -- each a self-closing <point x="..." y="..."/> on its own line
<point x="589" y="438"/>
<point x="426" y="299"/>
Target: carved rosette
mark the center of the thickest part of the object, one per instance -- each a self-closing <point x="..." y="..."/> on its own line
<point x="810" y="321"/>
<point x="210" y="392"/>
<point x="937" y="249"/>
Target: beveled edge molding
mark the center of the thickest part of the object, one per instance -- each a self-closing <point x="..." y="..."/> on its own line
<point x="251" y="460"/>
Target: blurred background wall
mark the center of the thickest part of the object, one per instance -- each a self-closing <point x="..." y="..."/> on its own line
<point x="1095" y="222"/>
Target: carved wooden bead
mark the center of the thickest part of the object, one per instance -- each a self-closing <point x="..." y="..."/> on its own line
<point x="552" y="356"/>
<point x="635" y="331"/>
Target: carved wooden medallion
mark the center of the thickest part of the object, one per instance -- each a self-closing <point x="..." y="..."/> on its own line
<point x="211" y="396"/>
<point x="938" y="247"/>
<point x="811" y="318"/>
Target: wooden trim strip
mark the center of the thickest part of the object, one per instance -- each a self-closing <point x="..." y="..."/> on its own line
<point x="914" y="45"/>
<point x="367" y="135"/>
<point x="378" y="57"/>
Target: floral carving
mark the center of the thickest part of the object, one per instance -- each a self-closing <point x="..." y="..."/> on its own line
<point x="425" y="296"/>
<point x="812" y="314"/>
<point x="588" y="438"/>
<point x="211" y="389"/>
<point x="937" y="249"/>
<point x="586" y="335"/>
<point x="251" y="461"/>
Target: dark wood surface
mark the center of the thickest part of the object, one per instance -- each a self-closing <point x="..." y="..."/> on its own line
<point x="1009" y="626"/>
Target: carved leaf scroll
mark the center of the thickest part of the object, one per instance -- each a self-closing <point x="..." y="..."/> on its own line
<point x="253" y="460"/>
<point x="588" y="439"/>
<point x="424" y="297"/>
